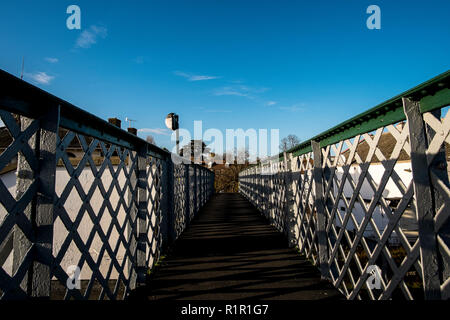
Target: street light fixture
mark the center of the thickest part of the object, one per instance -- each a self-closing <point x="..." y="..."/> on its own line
<point x="172" y="124"/>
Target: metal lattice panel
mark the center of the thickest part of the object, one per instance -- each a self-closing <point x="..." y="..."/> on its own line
<point x="101" y="235"/>
<point x="16" y="203"/>
<point x="304" y="204"/>
<point x="106" y="204"/>
<point x="355" y="239"/>
<point x="154" y="210"/>
<point x="365" y="190"/>
<point x="85" y="207"/>
<point x="180" y="219"/>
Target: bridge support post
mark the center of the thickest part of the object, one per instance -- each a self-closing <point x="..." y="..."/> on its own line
<point x="202" y="175"/>
<point x="39" y="211"/>
<point x="289" y="222"/>
<point x="132" y="220"/>
<point x="168" y="202"/>
<point x="194" y="190"/>
<point x="425" y="204"/>
<point x="142" y="214"/>
<point x="320" y="210"/>
<point x="186" y="194"/>
<point x="271" y="208"/>
<point x="211" y="184"/>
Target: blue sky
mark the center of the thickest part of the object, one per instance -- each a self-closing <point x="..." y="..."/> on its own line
<point x="299" y="66"/>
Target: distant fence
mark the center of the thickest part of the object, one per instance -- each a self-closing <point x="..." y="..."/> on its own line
<point x="81" y="199"/>
<point x="368" y="201"/>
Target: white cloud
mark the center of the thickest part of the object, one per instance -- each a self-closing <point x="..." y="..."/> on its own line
<point x="271" y="103"/>
<point x="193" y="77"/>
<point x="40" y="77"/>
<point x="230" y="91"/>
<point x="239" y="90"/>
<point x="89" y="36"/>
<point x="294" y="108"/>
<point x="51" y="60"/>
<point x="161" y="131"/>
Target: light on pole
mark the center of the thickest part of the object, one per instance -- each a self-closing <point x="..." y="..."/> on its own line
<point x="172" y="124"/>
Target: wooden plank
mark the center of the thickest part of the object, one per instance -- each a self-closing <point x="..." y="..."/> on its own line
<point x="236" y="263"/>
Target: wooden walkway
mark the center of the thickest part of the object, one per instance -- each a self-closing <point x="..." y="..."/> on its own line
<point x="230" y="252"/>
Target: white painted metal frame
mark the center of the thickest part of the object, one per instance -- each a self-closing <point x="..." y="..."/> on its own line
<point x="144" y="206"/>
<point x="322" y="212"/>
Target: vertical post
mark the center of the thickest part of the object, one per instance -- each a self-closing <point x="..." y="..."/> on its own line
<point x="142" y="214"/>
<point x="266" y="193"/>
<point x="289" y="202"/>
<point x="41" y="274"/>
<point x="186" y="194"/>
<point x="202" y="184"/>
<point x="195" y="189"/>
<point x="177" y="132"/>
<point x="260" y="186"/>
<point x="439" y="168"/>
<point x="320" y="209"/>
<point x="168" y="200"/>
<point x="36" y="283"/>
<point x="25" y="178"/>
<point x="253" y="185"/>
<point x="271" y="193"/>
<point x="43" y="220"/>
<point x="202" y="187"/>
<point x="208" y="178"/>
<point x="257" y="175"/>
<point x="213" y="179"/>
<point x="424" y="200"/>
<point x="132" y="220"/>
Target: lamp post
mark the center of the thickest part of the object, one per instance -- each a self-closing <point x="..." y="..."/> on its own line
<point x="172" y="124"/>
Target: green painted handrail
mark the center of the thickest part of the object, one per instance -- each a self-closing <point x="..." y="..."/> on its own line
<point x="432" y="94"/>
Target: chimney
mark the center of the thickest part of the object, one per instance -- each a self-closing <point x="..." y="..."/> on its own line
<point x="132" y="131"/>
<point x="114" y="121"/>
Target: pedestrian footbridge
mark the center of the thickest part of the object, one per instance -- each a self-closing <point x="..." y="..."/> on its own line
<point x="91" y="211"/>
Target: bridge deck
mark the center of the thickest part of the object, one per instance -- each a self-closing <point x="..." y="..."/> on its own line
<point x="230" y="252"/>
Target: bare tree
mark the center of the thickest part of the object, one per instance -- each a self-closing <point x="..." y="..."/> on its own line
<point x="227" y="177"/>
<point x="289" y="142"/>
<point x="150" y="139"/>
<point x="195" y="149"/>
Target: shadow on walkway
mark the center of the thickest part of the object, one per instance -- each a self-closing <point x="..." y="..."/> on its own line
<point x="230" y="252"/>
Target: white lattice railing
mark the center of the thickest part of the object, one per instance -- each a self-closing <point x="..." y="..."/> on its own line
<point x="370" y="194"/>
<point x="81" y="198"/>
